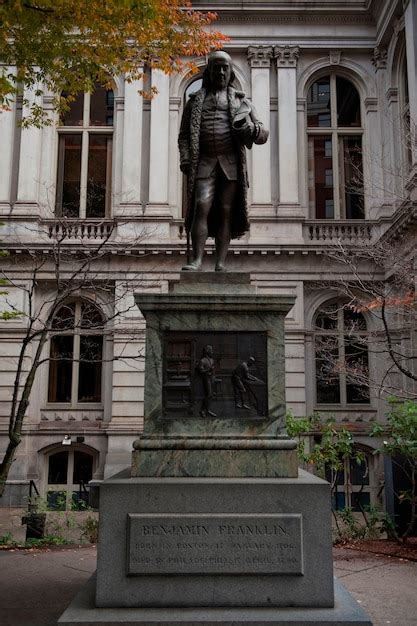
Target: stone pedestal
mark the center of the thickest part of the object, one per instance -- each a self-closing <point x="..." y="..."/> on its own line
<point x="213" y="523"/>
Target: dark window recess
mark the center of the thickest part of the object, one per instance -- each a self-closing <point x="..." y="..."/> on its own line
<point x="69" y="175"/>
<point x="58" y="468"/>
<point x="74" y="115"/>
<point x="97" y="183"/>
<point x="60" y="368"/>
<point x="83" y="467"/>
<point x="348" y="103"/>
<point x="101" y="107"/>
<point x="352" y="179"/>
<point x="89" y="382"/>
<point x="318" y="103"/>
<point x="323" y="176"/>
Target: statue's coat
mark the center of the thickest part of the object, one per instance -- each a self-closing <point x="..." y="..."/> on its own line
<point x="189" y="144"/>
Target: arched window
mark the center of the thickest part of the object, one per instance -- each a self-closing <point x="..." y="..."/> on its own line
<point x="341" y="354"/>
<point x="335" y="175"/>
<point x="350" y="484"/>
<point x="76" y="353"/>
<point x="68" y="472"/>
<point x="85" y="138"/>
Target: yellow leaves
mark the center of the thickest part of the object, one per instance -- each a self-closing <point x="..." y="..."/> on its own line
<point x="70" y="43"/>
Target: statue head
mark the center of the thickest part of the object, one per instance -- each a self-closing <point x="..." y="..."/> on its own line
<point x="218" y="73"/>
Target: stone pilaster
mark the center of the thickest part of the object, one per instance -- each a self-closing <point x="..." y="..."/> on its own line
<point x="410" y="16"/>
<point x="130" y="192"/>
<point x="259" y="58"/>
<point x="159" y="147"/>
<point x="286" y="58"/>
<point x="30" y="159"/>
<point x="7" y="127"/>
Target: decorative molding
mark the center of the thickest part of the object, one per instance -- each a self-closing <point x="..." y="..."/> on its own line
<point x="399" y="25"/>
<point x="260" y="56"/>
<point x="371" y="105"/>
<point x="274" y="18"/>
<point x="379" y="58"/>
<point x="286" y="56"/>
<point x="392" y="95"/>
<point x="334" y="57"/>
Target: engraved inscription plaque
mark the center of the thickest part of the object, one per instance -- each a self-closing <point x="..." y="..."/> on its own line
<point x="214" y="544"/>
<point x="215" y="375"/>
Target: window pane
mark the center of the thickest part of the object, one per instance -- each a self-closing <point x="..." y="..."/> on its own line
<point x="83" y="467"/>
<point x="56" y="500"/>
<point x="360" y="500"/>
<point x="98" y="170"/>
<point x="348" y="103"/>
<point x="69" y="175"/>
<point x="64" y="317"/>
<point x="195" y="86"/>
<point x="60" y="368"/>
<point x="102" y="107"/>
<point x="90" y="316"/>
<point x="318" y="103"/>
<point x="321" y="176"/>
<point x="89" y="382"/>
<point x="74" y="117"/>
<point x="338" y="501"/>
<point x="357" y="370"/>
<point x="327" y="377"/>
<point x="353" y="321"/>
<point x="359" y="474"/>
<point x="351" y="178"/>
<point x="57" y="468"/>
<point x="327" y="318"/>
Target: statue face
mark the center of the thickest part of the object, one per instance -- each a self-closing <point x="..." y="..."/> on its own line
<point x="219" y="71"/>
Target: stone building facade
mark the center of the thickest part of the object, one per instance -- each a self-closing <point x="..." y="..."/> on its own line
<point x="336" y="83"/>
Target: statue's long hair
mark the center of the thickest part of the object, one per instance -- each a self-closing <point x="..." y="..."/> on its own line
<point x="206" y="76"/>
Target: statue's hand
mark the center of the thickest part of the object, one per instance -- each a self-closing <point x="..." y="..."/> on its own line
<point x="185" y="168"/>
<point x="245" y="131"/>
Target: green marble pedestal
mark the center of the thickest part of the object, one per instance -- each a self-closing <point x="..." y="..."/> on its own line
<point x="229" y="446"/>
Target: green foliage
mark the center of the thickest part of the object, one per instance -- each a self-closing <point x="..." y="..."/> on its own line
<point x="351" y="527"/>
<point x="401" y="441"/>
<point x="336" y="443"/>
<point x="69" y="45"/>
<point x="90" y="529"/>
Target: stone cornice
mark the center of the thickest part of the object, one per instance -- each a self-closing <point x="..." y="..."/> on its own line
<point x="286" y="56"/>
<point x="260" y="56"/>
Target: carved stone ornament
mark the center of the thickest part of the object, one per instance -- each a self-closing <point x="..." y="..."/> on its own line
<point x="286" y="56"/>
<point x="379" y="59"/>
<point x="260" y="56"/>
<point x="334" y="57"/>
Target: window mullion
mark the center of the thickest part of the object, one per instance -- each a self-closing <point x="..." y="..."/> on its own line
<point x="70" y="472"/>
<point x="342" y="357"/>
<point x="76" y="357"/>
<point x="335" y="147"/>
<point x="84" y="174"/>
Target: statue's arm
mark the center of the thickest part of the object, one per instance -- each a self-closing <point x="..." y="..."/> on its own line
<point x="261" y="134"/>
<point x="184" y="139"/>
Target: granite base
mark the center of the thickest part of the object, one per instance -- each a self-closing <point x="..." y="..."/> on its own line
<point x="82" y="612"/>
<point x="215" y="542"/>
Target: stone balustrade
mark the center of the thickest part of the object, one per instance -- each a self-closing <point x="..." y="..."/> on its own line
<point x="332" y="231"/>
<point x="79" y="229"/>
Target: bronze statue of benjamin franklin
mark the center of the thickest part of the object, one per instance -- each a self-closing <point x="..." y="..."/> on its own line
<point x="217" y="125"/>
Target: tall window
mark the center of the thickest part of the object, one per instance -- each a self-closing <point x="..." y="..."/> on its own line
<point x="341" y="357"/>
<point x="335" y="177"/>
<point x="76" y="355"/>
<point x="84" y="156"/>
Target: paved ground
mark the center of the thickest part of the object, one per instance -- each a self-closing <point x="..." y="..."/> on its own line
<point x="37" y="586"/>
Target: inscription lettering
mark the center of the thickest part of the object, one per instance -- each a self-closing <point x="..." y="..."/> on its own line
<point x="214" y="544"/>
